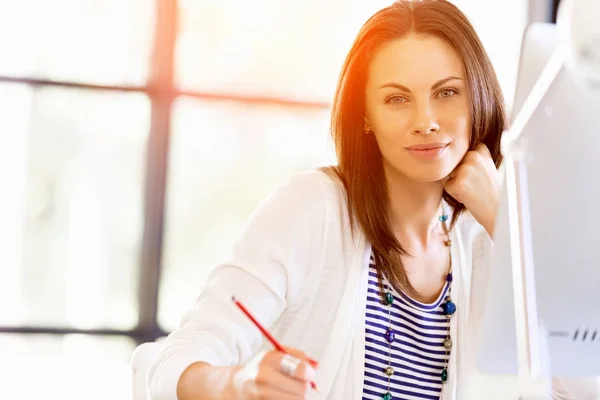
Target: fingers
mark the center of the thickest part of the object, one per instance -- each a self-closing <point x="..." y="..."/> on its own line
<point x="304" y="372"/>
<point x="478" y="155"/>
<point x="272" y="375"/>
<point x="482" y="149"/>
<point x="265" y="376"/>
<point x="470" y="178"/>
<point x="272" y="380"/>
<point x="472" y="160"/>
<point x="484" y="156"/>
<point x="302" y="355"/>
<point x="455" y="186"/>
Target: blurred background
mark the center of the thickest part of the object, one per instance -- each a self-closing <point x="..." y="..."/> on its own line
<point x="137" y="136"/>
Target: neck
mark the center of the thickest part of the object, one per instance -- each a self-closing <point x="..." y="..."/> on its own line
<point x="414" y="208"/>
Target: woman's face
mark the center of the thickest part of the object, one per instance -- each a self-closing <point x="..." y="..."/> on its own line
<point x="418" y="107"/>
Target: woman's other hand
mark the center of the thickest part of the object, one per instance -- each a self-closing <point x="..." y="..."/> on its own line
<point x="474" y="183"/>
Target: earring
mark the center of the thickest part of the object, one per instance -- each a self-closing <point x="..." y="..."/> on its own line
<point x="367" y="130"/>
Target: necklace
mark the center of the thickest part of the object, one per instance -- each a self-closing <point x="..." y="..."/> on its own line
<point x="448" y="307"/>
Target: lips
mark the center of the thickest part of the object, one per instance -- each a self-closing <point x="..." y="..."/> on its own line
<point x="426" y="147"/>
<point x="429" y="151"/>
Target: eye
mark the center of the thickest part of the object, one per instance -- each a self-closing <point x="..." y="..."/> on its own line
<point x="396" y="99"/>
<point x="447" y="93"/>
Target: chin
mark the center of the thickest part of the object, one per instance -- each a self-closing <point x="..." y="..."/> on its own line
<point x="428" y="177"/>
<point x="421" y="172"/>
<point x="426" y="173"/>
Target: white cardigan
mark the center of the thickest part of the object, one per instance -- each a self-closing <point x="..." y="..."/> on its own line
<point x="299" y="269"/>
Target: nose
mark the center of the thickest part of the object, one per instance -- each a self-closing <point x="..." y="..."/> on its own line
<point x="426" y="121"/>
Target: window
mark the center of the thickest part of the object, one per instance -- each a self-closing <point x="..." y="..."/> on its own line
<point x="285" y="49"/>
<point x="93" y="41"/>
<point x="82" y="155"/>
<point x="76" y="118"/>
<point x="225" y="158"/>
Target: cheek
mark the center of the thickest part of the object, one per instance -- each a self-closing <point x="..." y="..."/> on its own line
<point x="463" y="130"/>
<point x="458" y="124"/>
<point x="462" y="137"/>
<point x="390" y="124"/>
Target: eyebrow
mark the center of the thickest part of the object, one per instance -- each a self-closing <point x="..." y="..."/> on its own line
<point x="433" y="87"/>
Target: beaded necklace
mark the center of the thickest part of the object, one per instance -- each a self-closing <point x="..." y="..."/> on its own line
<point x="448" y="306"/>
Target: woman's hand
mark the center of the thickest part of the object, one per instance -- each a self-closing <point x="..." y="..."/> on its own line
<point x="265" y="377"/>
<point x="474" y="183"/>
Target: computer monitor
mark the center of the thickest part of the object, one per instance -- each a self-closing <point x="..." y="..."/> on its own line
<point x="539" y="42"/>
<point x="544" y="279"/>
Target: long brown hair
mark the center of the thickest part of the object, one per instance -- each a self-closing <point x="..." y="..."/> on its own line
<point x="360" y="165"/>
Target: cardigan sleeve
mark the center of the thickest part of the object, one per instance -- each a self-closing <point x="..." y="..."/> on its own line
<point x="280" y="242"/>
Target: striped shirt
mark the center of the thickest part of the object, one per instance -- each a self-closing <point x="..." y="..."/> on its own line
<point x="417" y="352"/>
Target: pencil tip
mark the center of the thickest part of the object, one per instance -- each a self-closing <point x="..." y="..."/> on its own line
<point x="233" y="298"/>
<point x="315" y="388"/>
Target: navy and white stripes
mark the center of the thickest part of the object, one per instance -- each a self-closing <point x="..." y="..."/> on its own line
<point x="417" y="353"/>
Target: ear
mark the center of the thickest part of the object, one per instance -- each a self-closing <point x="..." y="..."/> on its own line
<point x="367" y="121"/>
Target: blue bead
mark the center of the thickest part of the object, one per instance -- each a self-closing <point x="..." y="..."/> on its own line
<point x="390" y="335"/>
<point x="444" y="217"/>
<point x="449" y="308"/>
<point x="389" y="299"/>
<point x="449" y="277"/>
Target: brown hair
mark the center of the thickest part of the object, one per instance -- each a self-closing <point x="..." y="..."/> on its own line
<point x="360" y="166"/>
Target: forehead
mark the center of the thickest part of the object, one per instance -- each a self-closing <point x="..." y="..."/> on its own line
<point x="415" y="61"/>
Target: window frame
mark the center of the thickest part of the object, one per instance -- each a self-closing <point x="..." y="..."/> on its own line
<point x="162" y="92"/>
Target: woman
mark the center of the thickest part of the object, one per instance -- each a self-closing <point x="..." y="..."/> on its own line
<point x="374" y="267"/>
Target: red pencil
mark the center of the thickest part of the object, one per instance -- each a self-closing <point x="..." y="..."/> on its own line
<point x="270" y="337"/>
